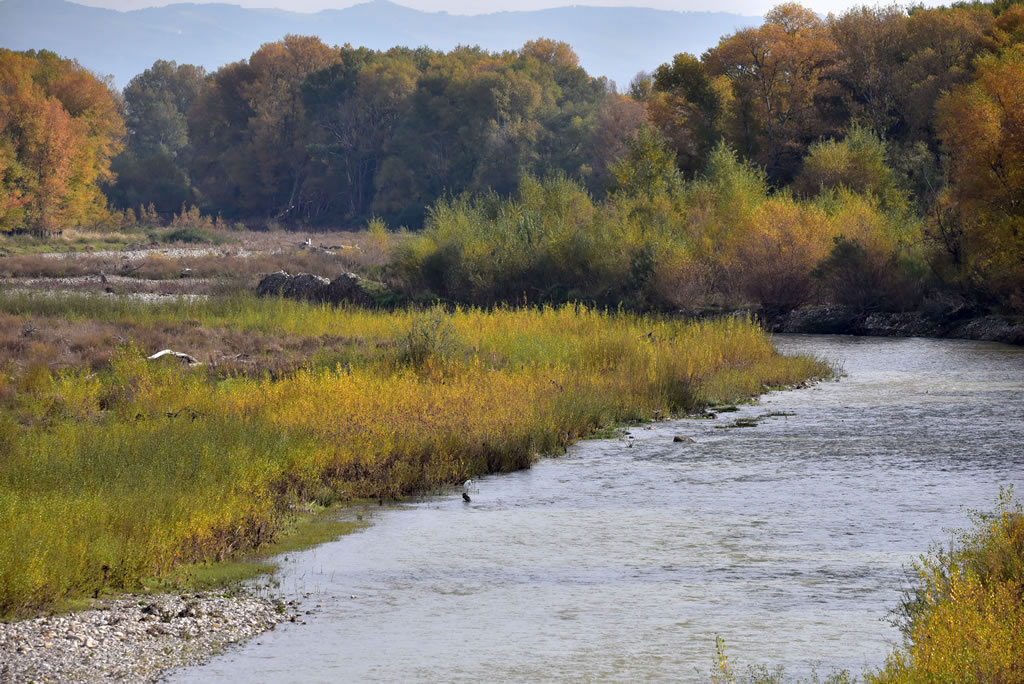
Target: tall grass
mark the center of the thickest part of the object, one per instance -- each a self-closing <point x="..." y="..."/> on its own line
<point x="113" y="475"/>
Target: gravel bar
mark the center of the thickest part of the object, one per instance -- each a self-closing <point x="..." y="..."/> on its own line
<point x="134" y="639"/>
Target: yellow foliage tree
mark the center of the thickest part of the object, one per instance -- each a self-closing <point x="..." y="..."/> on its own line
<point x="981" y="220"/>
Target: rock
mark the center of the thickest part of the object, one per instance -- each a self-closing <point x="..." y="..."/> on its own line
<point x="899" y="325"/>
<point x="189" y="610"/>
<point x="954" y="320"/>
<point x="683" y="439"/>
<point x="273" y="285"/>
<point x="819" y="320"/>
<point x="348" y="287"/>
<point x="305" y="286"/>
<point x="992" y="329"/>
<point x="145" y="644"/>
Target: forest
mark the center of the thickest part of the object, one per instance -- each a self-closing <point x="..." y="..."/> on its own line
<point x="873" y="159"/>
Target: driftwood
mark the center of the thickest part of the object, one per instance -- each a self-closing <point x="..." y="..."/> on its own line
<point x="190" y="360"/>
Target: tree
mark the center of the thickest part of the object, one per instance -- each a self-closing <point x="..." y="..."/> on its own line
<point x="774" y="261"/>
<point x="157" y="103"/>
<point x="618" y="121"/>
<point x="354" y="106"/>
<point x="687" y="110"/>
<point x="941" y="45"/>
<point x="648" y="169"/>
<point x="982" y="126"/>
<point x="779" y="73"/>
<point x="60" y="126"/>
<point x="478" y="121"/>
<point x="857" y="162"/>
<point x="155" y="163"/>
<point x="251" y="131"/>
<point x="553" y="52"/>
<point x="871" y="44"/>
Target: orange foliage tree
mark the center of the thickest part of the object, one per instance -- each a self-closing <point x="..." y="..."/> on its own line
<point x="60" y="126"/>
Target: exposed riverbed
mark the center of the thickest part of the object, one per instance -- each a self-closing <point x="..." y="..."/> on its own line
<point x="624" y="558"/>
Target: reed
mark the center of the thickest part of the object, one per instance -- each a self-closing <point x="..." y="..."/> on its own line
<point x="115" y="474"/>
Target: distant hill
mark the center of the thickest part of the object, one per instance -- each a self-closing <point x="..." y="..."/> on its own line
<point x="616" y="42"/>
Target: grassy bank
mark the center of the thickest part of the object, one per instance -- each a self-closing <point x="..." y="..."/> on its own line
<point x="121" y="468"/>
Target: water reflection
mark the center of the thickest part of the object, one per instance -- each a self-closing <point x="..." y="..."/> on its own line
<point x="624" y="562"/>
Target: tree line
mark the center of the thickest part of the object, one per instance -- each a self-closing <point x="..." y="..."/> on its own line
<point x="305" y="133"/>
<point x="892" y="139"/>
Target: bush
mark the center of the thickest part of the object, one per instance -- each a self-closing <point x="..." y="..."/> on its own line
<point x="191" y="235"/>
<point x="431" y="339"/>
<point x="964" y="620"/>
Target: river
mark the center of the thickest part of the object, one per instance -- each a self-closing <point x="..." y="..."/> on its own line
<point x="624" y="558"/>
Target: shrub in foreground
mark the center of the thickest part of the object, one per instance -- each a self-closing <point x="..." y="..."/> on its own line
<point x="964" y="619"/>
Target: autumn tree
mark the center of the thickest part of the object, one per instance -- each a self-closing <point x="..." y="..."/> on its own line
<point x="980" y="220"/>
<point x="779" y="73"/>
<point x="857" y="162"/>
<point x="942" y="44"/>
<point x="60" y="125"/>
<point x="773" y="264"/>
<point x="553" y="52"/>
<point x="686" y="108"/>
<point x="251" y="133"/>
<point x="871" y="44"/>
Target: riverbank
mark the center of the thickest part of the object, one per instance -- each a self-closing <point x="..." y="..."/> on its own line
<point x="135" y="638"/>
<point x="835" y="320"/>
<point x="119" y="467"/>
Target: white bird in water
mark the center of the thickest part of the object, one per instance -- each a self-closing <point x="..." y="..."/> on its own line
<point x="467" y="487"/>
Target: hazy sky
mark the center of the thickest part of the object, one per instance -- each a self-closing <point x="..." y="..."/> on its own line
<point x="750" y="7"/>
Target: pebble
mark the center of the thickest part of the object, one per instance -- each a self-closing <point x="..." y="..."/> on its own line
<point x="153" y="634"/>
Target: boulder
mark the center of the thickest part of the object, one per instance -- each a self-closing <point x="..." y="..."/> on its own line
<point x="349" y="287"/>
<point x="305" y="286"/>
<point x="901" y="325"/>
<point x="273" y="285"/>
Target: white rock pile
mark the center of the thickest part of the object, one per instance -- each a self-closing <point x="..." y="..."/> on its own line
<point x="135" y="638"/>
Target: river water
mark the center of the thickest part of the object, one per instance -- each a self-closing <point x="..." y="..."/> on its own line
<point x="624" y="558"/>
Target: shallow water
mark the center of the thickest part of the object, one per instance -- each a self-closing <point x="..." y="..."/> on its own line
<point x="624" y="558"/>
